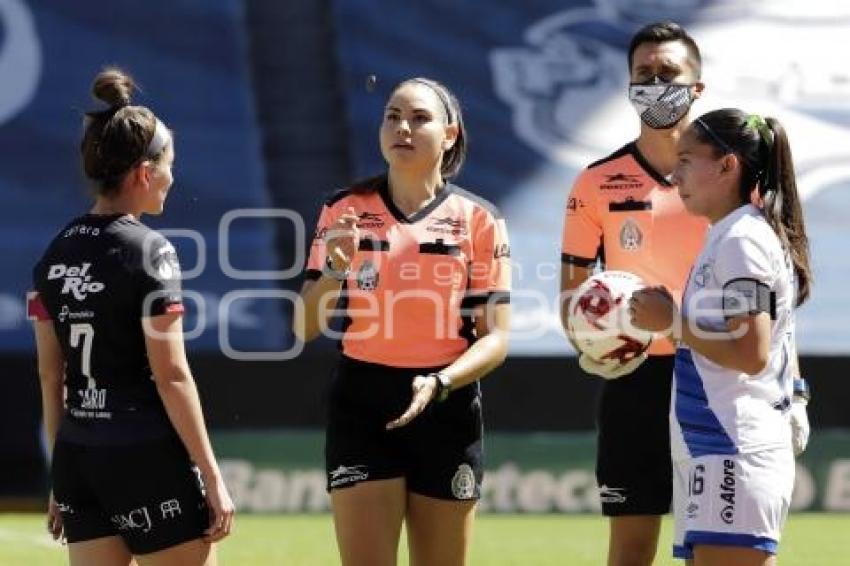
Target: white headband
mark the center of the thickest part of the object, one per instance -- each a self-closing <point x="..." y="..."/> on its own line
<point x="161" y="137"/>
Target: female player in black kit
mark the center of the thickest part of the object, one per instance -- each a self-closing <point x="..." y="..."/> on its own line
<point x="127" y="432"/>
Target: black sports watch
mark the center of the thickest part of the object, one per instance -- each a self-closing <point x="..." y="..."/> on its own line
<point x="801" y="390"/>
<point x="444" y="386"/>
<point x="336" y="274"/>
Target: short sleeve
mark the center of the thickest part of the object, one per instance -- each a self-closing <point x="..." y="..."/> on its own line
<point x="582" y="235"/>
<point x="36" y="310"/>
<point x="490" y="269"/>
<point x="160" y="279"/>
<point x="743" y="257"/>
<point x="316" y="256"/>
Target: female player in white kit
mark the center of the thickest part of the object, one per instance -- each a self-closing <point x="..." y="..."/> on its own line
<point x="732" y="449"/>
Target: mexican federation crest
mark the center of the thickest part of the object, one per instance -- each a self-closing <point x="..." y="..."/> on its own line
<point x="367" y="277"/>
<point x="631" y="237"/>
<point x="463" y="482"/>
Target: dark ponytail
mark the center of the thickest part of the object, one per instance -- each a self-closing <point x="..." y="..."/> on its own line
<point x="116" y="139"/>
<point x="768" y="168"/>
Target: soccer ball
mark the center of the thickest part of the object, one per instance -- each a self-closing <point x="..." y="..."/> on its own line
<point x="599" y="322"/>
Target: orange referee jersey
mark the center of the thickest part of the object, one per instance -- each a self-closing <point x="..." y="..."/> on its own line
<point x="415" y="280"/>
<point x="624" y="212"/>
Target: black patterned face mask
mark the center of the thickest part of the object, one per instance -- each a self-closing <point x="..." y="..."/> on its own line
<point x="660" y="105"/>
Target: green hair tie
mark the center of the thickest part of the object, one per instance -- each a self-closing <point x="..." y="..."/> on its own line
<point x="756" y="122"/>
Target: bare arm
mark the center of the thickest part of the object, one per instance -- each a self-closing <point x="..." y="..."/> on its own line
<point x="317" y="299"/>
<point x="176" y="388"/>
<point x="51" y="374"/>
<point x="492" y="324"/>
<point x="311" y="317"/>
<point x="572" y="276"/>
<point x="744" y="345"/>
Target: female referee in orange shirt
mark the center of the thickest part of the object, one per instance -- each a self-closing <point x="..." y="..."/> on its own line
<point x="421" y="270"/>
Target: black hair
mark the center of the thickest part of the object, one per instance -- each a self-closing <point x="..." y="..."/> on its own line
<point x="453" y="158"/>
<point x="767" y="167"/>
<point x="662" y="32"/>
<point x="117" y="138"/>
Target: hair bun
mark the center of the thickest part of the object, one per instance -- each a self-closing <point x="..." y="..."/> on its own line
<point x="114" y="87"/>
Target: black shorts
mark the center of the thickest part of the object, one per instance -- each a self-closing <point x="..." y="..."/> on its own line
<point x="148" y="494"/>
<point x="633" y="464"/>
<point x="439" y="453"/>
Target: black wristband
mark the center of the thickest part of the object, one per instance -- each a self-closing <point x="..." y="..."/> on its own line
<point x="328" y="270"/>
<point x="444" y="386"/>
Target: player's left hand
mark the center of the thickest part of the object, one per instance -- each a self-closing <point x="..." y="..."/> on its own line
<point x="653" y="309"/>
<point x="800" y="429"/>
<point x="54" y="520"/>
<point x="424" y="389"/>
<point x="221" y="509"/>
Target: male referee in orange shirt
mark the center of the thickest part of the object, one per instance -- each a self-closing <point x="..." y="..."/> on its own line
<point x="624" y="212"/>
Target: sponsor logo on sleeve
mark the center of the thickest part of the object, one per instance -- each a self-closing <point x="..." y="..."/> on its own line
<point x="166" y="263"/>
<point x="573" y="204"/>
<point x="501" y="251"/>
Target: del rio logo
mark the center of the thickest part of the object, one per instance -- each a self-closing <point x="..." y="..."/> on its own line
<point x="77" y="280"/>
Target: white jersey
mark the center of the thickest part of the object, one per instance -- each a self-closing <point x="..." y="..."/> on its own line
<point x="717" y="410"/>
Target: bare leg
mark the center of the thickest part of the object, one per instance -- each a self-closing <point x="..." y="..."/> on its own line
<point x="368" y="518"/>
<point x="438" y="531"/>
<point x="190" y="553"/>
<point x="716" y="555"/>
<point x="104" y="551"/>
<point x="633" y="540"/>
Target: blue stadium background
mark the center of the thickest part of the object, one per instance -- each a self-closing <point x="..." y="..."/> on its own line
<point x="270" y="110"/>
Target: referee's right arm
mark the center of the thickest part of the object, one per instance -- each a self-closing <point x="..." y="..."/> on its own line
<point x="581" y="241"/>
<point x="330" y="259"/>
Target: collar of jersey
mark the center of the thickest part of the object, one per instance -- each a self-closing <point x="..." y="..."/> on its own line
<point x="719" y="229"/>
<point x="384" y="191"/>
<point x="649" y="169"/>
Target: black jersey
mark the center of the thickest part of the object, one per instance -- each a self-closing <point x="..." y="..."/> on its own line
<point x="100" y="276"/>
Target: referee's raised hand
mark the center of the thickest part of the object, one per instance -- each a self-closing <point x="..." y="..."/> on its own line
<point x="424" y="389"/>
<point x="342" y="240"/>
<point x="221" y="510"/>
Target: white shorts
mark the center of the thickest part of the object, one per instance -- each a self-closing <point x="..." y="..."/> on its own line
<point x="731" y="500"/>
